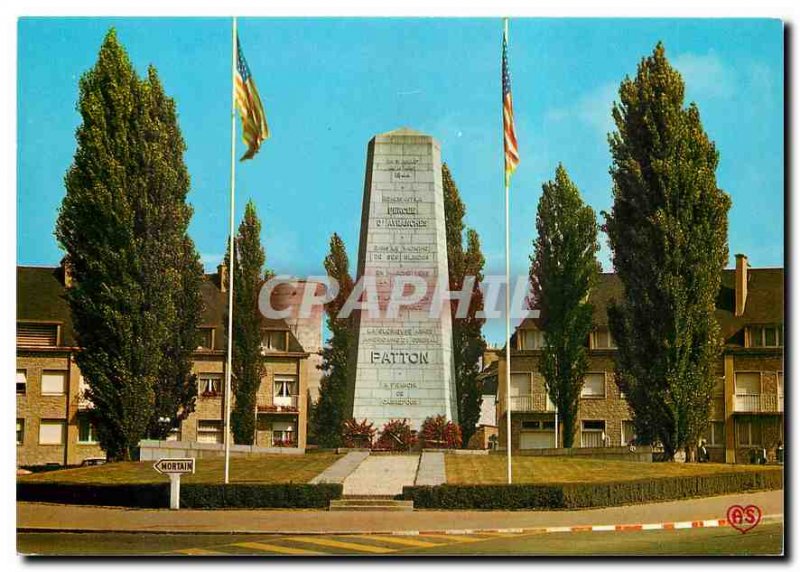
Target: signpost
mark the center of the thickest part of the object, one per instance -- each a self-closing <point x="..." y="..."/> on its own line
<point x="175" y="468"/>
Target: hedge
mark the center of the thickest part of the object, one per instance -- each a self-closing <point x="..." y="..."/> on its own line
<point x="242" y="495"/>
<point x="201" y="496"/>
<point x="150" y="495"/>
<point x="590" y="495"/>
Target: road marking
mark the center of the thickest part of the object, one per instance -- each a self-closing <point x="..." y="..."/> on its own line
<point x="339" y="544"/>
<point x="197" y="552"/>
<point x="276" y="548"/>
<point x="403" y="541"/>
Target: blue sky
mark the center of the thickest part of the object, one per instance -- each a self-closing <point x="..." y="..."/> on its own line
<point x="329" y="85"/>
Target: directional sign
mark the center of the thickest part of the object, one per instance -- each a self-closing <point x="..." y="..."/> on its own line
<point x="174" y="466"/>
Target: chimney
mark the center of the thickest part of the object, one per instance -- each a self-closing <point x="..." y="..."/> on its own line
<point x="66" y="272"/>
<point x="741" y="284"/>
<point x="222" y="276"/>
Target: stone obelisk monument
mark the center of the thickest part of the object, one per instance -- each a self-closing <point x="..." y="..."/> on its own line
<point x="404" y="364"/>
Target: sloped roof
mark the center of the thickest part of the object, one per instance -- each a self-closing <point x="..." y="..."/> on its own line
<point x="764" y="304"/>
<point x="40" y="297"/>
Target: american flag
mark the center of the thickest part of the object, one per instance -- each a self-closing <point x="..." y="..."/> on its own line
<point x="254" y="121"/>
<point x="509" y="132"/>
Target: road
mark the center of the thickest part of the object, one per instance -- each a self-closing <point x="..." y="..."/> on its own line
<point x="766" y="539"/>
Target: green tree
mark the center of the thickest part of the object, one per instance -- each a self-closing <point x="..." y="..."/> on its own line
<point x="668" y="234"/>
<point x="176" y="387"/>
<point x="564" y="268"/>
<point x="468" y="341"/>
<point x="248" y="363"/>
<point x="330" y="411"/>
<point x="123" y="224"/>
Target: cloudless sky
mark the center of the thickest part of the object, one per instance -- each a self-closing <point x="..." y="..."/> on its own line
<point x="329" y="85"/>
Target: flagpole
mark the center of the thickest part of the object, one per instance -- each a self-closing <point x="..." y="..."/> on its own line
<point x="231" y="261"/>
<point x="508" y="344"/>
<point x="508" y="317"/>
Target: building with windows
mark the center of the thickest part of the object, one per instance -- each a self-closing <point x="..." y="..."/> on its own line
<point x="747" y="404"/>
<point x="52" y="414"/>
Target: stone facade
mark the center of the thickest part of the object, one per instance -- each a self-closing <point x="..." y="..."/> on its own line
<point x="747" y="411"/>
<point x="281" y="415"/>
<point x="404" y="364"/>
<point x="36" y="407"/>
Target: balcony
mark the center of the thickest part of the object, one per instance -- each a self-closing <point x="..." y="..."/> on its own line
<point x="758" y="403"/>
<point x="282" y="404"/>
<point x="537" y="402"/>
<point x="278" y="441"/>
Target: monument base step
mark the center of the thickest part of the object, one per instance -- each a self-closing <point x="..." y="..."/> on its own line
<point x="371" y="504"/>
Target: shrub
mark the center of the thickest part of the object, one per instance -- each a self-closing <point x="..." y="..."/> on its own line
<point x="143" y="495"/>
<point x="358" y="435"/>
<point x="207" y="496"/>
<point x="246" y="495"/>
<point x="590" y="495"/>
<point x="439" y="433"/>
<point x="396" y="436"/>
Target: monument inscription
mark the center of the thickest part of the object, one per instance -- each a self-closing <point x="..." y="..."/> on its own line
<point x="404" y="363"/>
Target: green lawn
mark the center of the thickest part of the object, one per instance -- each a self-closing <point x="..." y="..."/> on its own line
<point x="491" y="469"/>
<point x="261" y="469"/>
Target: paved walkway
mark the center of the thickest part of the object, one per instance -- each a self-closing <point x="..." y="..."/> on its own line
<point x="36" y="516"/>
<point x="431" y="470"/>
<point x="341" y="469"/>
<point x="382" y="475"/>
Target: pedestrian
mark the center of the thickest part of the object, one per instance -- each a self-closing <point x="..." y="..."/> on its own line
<point x="702" y="452"/>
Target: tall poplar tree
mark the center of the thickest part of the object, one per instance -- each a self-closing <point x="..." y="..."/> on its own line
<point x="248" y="363"/>
<point x="468" y="341"/>
<point x="564" y="268"/>
<point x="668" y="231"/>
<point x="331" y="407"/>
<point x="123" y="223"/>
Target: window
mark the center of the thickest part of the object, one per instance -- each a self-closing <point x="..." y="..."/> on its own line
<point x="780" y="383"/>
<point x="273" y="340"/>
<point x="628" y="433"/>
<point x="594" y="385"/>
<point x="210" y="384"/>
<point x="602" y="340"/>
<point x="37" y="334"/>
<point x="209" y="431"/>
<point x="285" y="391"/>
<point x="51" y="432"/>
<point x="766" y="336"/>
<point x="282" y="434"/>
<point x="285" y="386"/>
<point x="531" y="425"/>
<point x="53" y="382"/>
<point x="748" y="432"/>
<point x="748" y="383"/>
<point x="520" y="384"/>
<point x="22" y="381"/>
<point x="593" y="433"/>
<point x="531" y="339"/>
<point x="86" y="430"/>
<point x="20" y="431"/>
<point x="715" y="434"/>
<point x="205" y="338"/>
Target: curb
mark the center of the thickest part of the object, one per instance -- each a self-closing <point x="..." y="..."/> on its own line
<point x="677" y="525"/>
<point x="710" y="523"/>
